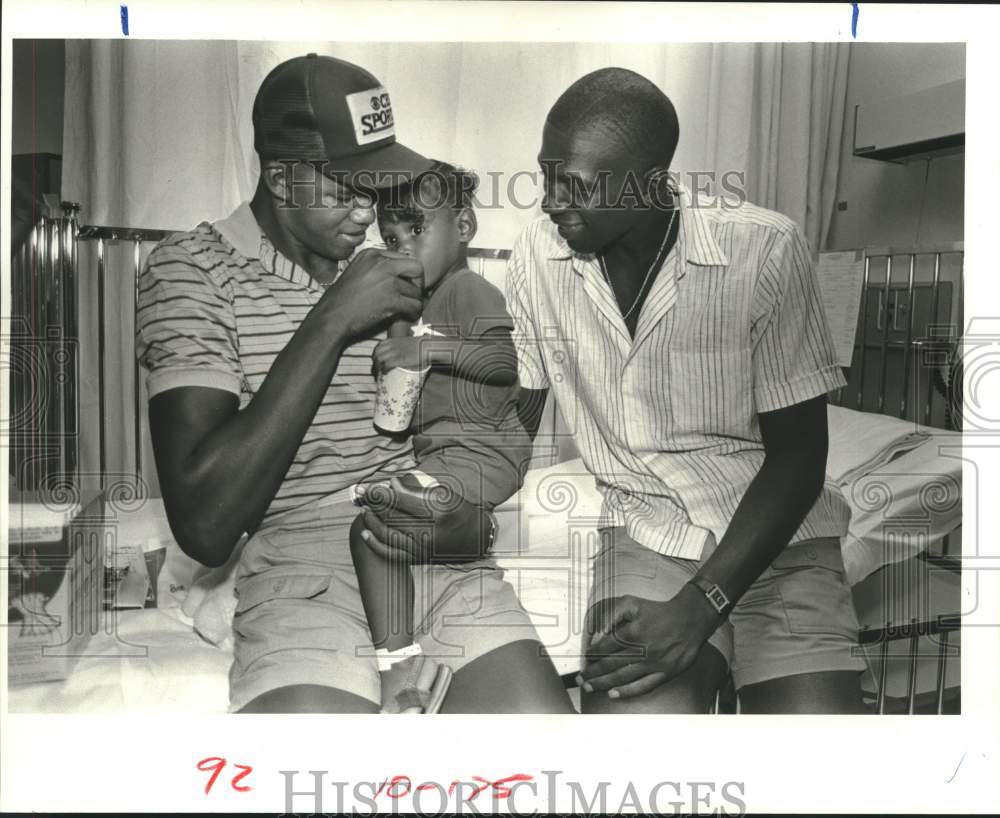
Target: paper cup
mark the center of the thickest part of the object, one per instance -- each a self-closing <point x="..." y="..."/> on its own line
<point x="398" y="391"/>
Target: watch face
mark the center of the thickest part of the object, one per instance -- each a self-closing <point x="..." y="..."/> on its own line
<point x="717" y="598"/>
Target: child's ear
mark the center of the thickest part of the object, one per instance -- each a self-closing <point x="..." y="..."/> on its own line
<point x="275" y="176"/>
<point x="467" y="224"/>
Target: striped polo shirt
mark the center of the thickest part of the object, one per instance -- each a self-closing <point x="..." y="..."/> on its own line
<point x="216" y="306"/>
<point x="667" y="422"/>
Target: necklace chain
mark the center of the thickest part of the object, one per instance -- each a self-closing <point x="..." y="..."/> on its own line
<point x="657" y="261"/>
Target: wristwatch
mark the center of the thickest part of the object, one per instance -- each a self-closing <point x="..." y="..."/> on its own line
<point x="713" y="593"/>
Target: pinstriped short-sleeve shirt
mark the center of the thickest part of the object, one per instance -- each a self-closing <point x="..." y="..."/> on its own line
<point x="667" y="422"/>
<point x="216" y="306"/>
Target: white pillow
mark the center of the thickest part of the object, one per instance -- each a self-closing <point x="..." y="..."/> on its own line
<point x="861" y="442"/>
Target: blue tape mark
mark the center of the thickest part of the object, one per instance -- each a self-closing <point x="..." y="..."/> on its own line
<point x="854" y="20"/>
<point x="124" y="12"/>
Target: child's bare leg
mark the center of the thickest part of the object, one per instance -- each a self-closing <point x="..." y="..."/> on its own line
<point x="386" y="592"/>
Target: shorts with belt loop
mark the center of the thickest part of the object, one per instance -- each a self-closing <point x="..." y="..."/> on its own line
<point x="798" y="617"/>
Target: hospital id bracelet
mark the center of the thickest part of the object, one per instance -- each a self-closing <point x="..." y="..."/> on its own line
<point x="386" y="659"/>
<point x="713" y="593"/>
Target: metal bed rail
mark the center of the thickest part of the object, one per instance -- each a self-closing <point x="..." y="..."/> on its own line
<point x="941" y="630"/>
<point x="887" y="321"/>
<point x="43" y="348"/>
<point x="103" y="238"/>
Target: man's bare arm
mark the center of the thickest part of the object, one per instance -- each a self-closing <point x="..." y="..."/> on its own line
<point x="777" y="500"/>
<point x="219" y="467"/>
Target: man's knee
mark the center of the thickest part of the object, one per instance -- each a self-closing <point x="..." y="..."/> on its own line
<point x="828" y="692"/>
<point x="309" y="699"/>
<point x="518" y="677"/>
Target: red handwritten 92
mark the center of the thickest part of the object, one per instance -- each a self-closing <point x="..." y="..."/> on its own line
<point x="215" y="765"/>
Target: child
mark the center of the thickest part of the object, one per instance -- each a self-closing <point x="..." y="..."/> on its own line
<point x="466" y="433"/>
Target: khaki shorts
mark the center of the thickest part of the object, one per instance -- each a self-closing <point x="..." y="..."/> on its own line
<point x="299" y="617"/>
<point x="798" y="617"/>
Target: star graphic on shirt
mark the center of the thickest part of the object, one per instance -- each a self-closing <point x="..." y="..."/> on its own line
<point x="420" y="328"/>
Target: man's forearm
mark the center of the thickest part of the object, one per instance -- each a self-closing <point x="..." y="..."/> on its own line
<point x="235" y="471"/>
<point x="771" y="511"/>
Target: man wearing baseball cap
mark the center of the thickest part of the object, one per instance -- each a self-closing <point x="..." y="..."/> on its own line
<point x="258" y="341"/>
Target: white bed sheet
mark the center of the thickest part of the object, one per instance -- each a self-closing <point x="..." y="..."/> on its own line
<point x="904" y="507"/>
<point x="548" y="534"/>
<point x="151" y="661"/>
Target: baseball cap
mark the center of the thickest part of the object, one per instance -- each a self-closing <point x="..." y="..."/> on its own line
<point x="318" y="108"/>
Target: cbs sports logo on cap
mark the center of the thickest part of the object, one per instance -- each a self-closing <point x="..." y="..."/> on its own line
<point x="371" y="115"/>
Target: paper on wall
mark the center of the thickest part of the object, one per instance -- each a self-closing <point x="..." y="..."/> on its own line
<point x="841" y="276"/>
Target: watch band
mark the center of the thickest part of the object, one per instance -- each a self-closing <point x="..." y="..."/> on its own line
<point x="713" y="593"/>
<point x="494" y="527"/>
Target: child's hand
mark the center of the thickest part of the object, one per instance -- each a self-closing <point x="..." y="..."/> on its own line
<point x="404" y="352"/>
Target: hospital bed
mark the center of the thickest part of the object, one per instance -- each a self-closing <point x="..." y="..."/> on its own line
<point x="892" y="454"/>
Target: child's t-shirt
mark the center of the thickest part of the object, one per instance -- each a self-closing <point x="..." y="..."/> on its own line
<point x="467" y="433"/>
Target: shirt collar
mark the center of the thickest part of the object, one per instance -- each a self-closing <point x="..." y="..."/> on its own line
<point x="243" y="232"/>
<point x="695" y="240"/>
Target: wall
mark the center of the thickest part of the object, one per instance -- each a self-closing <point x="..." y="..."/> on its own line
<point x="37" y="96"/>
<point x="888" y="204"/>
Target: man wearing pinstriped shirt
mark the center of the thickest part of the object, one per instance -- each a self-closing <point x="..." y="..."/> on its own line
<point x="687" y="350"/>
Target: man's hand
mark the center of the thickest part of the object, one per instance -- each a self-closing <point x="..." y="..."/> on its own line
<point x="401" y="352"/>
<point x="376" y="286"/>
<point x="405" y="521"/>
<point x="638" y="644"/>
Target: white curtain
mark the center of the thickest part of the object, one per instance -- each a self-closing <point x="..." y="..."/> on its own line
<point x="798" y="125"/>
<point x="157" y="134"/>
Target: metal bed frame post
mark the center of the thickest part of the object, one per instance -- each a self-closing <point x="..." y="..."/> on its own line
<point x="34" y="418"/>
<point x="941" y="666"/>
<point x="102" y="459"/>
<point x="16" y="401"/>
<point x="51" y="345"/>
<point x="71" y="403"/>
<point x="864" y="332"/>
<point x="24" y="341"/>
<point x="44" y="392"/>
<point x="136" y="384"/>
<point x="934" y="317"/>
<point x="909" y="336"/>
<point x="911" y="692"/>
<point x="105" y="237"/>
<point x="882" y="670"/>
<point x="883" y="317"/>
